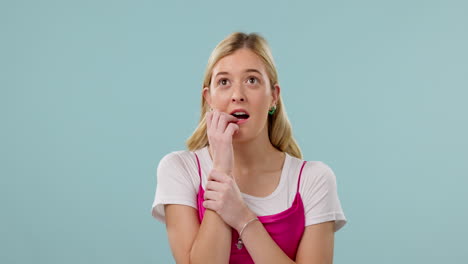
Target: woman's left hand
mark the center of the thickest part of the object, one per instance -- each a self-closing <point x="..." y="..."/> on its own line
<point x="223" y="196"/>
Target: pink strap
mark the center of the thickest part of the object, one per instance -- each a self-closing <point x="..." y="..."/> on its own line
<point x="300" y="174"/>
<point x="198" y="164"/>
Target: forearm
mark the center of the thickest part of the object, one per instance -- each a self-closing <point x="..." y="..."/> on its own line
<point x="261" y="247"/>
<point x="213" y="241"/>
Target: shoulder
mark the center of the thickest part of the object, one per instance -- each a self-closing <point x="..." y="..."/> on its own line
<point x="312" y="170"/>
<point x="178" y="168"/>
<point x="177" y="181"/>
<point x="315" y="175"/>
<point x="319" y="193"/>
<point x="176" y="165"/>
<point x="176" y="159"/>
<point x="318" y="170"/>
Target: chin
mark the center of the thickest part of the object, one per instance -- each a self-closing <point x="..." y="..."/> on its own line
<point x="241" y="136"/>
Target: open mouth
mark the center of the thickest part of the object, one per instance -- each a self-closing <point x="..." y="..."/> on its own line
<point x="241" y="115"/>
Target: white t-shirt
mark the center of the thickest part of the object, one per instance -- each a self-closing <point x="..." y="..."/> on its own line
<point x="178" y="182"/>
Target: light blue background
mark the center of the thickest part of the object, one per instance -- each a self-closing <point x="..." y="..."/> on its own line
<point x="95" y="93"/>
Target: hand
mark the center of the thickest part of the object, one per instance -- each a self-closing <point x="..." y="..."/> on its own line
<point x="223" y="196"/>
<point x="220" y="128"/>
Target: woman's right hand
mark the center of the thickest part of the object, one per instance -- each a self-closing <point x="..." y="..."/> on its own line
<point x="220" y="128"/>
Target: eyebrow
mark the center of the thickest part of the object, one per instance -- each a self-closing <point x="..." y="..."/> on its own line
<point x="248" y="70"/>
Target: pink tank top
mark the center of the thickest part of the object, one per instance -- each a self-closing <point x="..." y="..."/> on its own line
<point x="285" y="228"/>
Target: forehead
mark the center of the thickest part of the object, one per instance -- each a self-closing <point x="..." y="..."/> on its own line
<point x="239" y="61"/>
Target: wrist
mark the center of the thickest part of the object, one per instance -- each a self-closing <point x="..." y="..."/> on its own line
<point x="225" y="171"/>
<point x="246" y="217"/>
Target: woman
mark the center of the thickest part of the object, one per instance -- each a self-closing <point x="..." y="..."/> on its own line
<point x="241" y="193"/>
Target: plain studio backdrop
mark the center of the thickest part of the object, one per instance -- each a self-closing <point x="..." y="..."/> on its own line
<point x="95" y="93"/>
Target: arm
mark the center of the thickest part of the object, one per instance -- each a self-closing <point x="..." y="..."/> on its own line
<point x="213" y="241"/>
<point x="191" y="242"/>
<point x="210" y="241"/>
<point x="316" y="245"/>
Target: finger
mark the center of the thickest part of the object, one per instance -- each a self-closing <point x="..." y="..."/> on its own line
<point x="232" y="128"/>
<point x="208" y="116"/>
<point x="212" y="205"/>
<point x="218" y="176"/>
<point x="214" y="120"/>
<point x="211" y="195"/>
<point x="213" y="185"/>
<point x="223" y="121"/>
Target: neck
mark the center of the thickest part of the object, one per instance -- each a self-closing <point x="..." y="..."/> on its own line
<point x="254" y="155"/>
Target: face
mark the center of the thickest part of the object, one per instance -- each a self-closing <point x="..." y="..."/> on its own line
<point x="240" y="81"/>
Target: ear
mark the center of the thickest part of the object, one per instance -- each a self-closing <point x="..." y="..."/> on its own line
<point x="275" y="93"/>
<point x="206" y="94"/>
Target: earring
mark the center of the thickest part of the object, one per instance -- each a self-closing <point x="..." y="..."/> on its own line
<point x="272" y="110"/>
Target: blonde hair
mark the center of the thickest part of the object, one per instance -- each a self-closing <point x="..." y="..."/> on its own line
<point x="279" y="127"/>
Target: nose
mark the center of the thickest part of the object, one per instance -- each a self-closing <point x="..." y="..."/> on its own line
<point x="234" y="99"/>
<point x="238" y="95"/>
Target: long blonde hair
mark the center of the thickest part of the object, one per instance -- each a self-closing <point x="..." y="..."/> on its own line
<point x="279" y="127"/>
